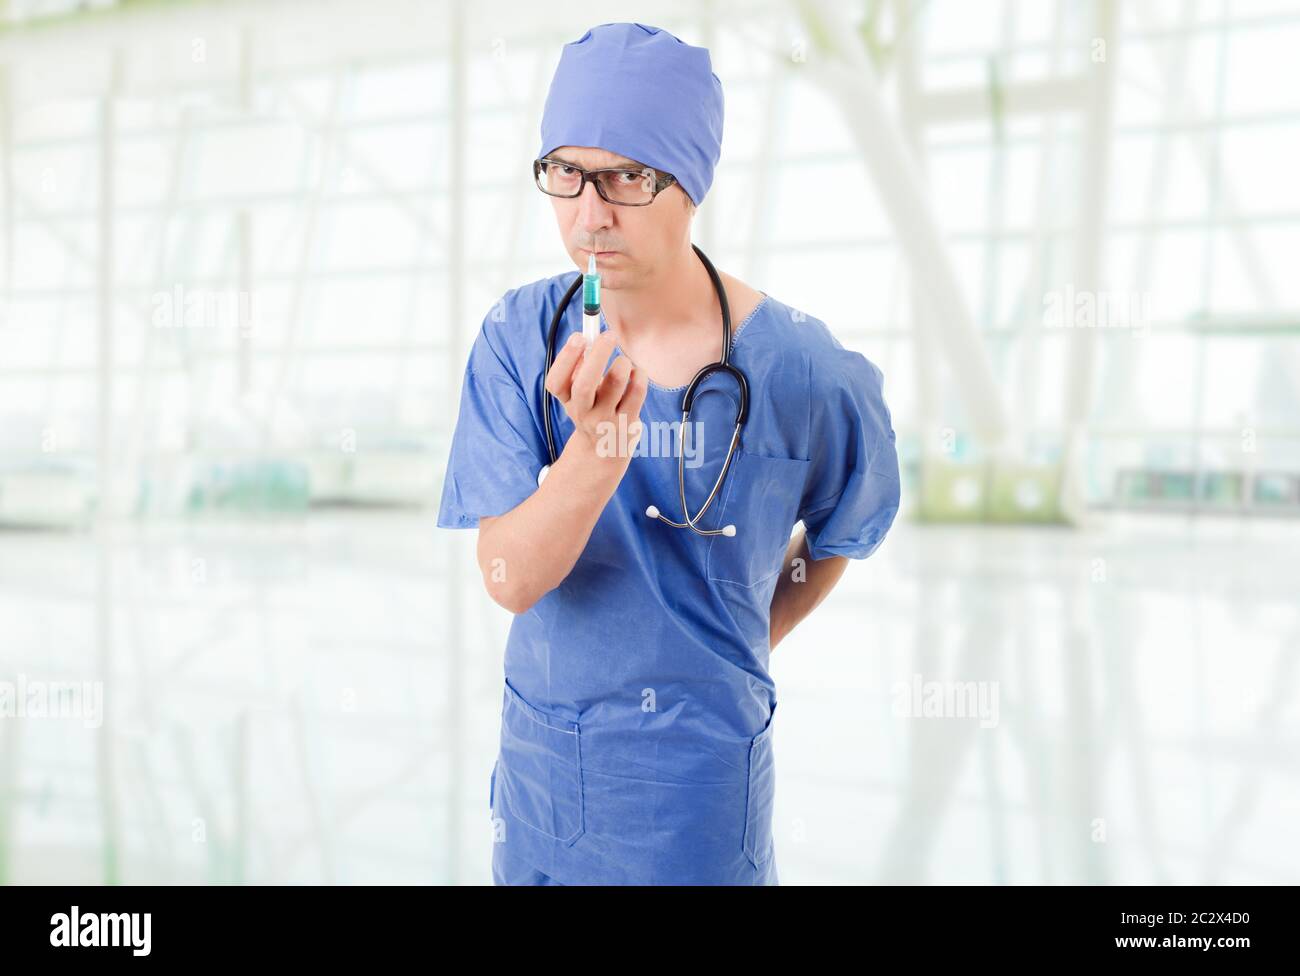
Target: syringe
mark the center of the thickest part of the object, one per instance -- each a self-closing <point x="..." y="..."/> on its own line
<point x="591" y="301"/>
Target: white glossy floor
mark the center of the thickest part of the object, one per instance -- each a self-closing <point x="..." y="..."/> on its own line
<point x="316" y="701"/>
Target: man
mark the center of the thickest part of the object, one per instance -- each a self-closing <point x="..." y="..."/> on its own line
<point x="637" y="717"/>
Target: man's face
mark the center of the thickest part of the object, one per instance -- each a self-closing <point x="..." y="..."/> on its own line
<point x="630" y="242"/>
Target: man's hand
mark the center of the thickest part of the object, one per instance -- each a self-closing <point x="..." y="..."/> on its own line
<point x="528" y="551"/>
<point x="594" y="401"/>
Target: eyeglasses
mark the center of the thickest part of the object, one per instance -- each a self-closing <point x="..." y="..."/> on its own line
<point x="621" y="187"/>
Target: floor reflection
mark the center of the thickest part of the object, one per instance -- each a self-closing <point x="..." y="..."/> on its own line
<point x="315" y="701"/>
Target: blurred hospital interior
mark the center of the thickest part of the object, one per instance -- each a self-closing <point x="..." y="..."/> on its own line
<point x="245" y="248"/>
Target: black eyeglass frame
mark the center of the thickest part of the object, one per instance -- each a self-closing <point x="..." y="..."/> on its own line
<point x="662" y="181"/>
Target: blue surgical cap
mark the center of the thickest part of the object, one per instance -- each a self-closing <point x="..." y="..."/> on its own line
<point x="642" y="93"/>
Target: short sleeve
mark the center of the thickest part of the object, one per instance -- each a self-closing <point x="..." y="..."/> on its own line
<point x="497" y="450"/>
<point x="853" y="487"/>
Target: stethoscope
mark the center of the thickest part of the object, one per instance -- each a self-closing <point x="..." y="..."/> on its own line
<point x="688" y="399"/>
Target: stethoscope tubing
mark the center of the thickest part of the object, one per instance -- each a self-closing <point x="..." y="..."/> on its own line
<point x="688" y="398"/>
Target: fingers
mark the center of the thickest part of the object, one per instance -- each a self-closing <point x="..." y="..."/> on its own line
<point x="634" y="394"/>
<point x="611" y="388"/>
<point x="559" y="380"/>
<point x="631" y="403"/>
<point x="593" y="395"/>
<point x="587" y="377"/>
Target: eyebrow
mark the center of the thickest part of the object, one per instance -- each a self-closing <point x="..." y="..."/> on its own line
<point x="624" y="163"/>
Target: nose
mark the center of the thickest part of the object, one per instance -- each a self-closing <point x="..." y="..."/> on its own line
<point x="594" y="214"/>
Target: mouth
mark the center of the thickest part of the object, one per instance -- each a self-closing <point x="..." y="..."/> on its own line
<point x="600" y="254"/>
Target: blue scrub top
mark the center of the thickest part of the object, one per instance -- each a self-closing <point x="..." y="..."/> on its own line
<point x="637" y="714"/>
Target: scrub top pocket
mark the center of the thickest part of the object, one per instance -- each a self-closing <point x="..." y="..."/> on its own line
<point x="539" y="770"/>
<point x="761" y="499"/>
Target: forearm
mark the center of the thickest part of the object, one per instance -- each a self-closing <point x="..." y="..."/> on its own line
<point x="801" y="586"/>
<point x="527" y="552"/>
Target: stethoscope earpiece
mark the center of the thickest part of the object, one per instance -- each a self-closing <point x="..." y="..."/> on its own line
<point x="727" y="530"/>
